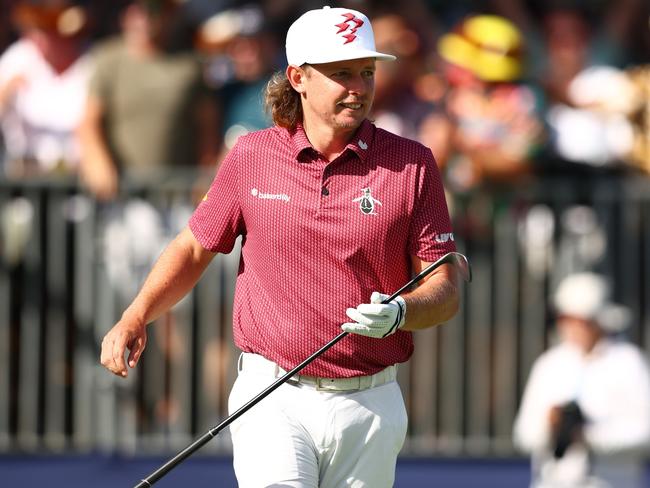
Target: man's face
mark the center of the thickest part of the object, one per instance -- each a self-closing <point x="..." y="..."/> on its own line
<point x="339" y="94"/>
<point x="579" y="332"/>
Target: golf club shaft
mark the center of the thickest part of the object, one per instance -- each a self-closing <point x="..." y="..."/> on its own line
<point x="201" y="441"/>
<point x="205" y="438"/>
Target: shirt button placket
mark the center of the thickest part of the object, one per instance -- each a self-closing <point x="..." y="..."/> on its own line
<point x="321" y="189"/>
<point x="324" y="190"/>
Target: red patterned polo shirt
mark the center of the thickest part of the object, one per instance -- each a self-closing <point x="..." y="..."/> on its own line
<point x="319" y="237"/>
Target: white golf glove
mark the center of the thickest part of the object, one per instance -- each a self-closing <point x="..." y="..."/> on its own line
<point x="376" y="319"/>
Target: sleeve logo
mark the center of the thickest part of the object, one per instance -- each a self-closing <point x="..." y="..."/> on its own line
<point x="442" y="238"/>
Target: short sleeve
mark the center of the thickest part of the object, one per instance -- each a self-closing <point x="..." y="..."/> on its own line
<point x="10" y="65"/>
<point x="430" y="233"/>
<point x="217" y="221"/>
<point x="103" y="65"/>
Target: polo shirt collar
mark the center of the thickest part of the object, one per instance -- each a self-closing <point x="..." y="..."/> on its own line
<point x="362" y="139"/>
<point x="359" y="144"/>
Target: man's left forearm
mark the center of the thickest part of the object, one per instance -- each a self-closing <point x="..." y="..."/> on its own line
<point x="435" y="301"/>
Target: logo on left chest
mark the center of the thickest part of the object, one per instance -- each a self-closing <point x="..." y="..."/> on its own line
<point x="367" y="203"/>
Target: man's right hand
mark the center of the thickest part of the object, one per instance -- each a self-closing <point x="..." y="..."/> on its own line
<point x="102" y="180"/>
<point x="126" y="334"/>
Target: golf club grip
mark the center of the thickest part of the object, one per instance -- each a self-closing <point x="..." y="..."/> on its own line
<point x="201" y="441"/>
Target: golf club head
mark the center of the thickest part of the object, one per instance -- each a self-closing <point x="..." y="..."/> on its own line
<point x="461" y="263"/>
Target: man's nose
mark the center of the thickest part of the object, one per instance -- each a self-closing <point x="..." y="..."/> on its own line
<point x="359" y="85"/>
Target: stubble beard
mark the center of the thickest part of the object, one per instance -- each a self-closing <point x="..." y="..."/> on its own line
<point x="353" y="125"/>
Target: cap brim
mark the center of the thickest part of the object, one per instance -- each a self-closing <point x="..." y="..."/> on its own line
<point x="360" y="54"/>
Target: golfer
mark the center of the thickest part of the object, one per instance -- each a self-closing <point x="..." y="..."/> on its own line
<point x="335" y="214"/>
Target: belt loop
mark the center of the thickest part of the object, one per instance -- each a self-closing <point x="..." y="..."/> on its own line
<point x="240" y="362"/>
<point x="374" y="379"/>
<point x="378" y="378"/>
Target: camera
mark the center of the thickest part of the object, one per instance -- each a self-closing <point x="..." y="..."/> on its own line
<point x="568" y="428"/>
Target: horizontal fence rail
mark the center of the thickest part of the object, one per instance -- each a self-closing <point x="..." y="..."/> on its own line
<point x="70" y="265"/>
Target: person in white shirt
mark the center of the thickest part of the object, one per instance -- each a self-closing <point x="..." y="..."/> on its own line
<point x="585" y="413"/>
<point x="43" y="80"/>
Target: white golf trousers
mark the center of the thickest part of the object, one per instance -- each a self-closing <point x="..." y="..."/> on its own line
<point x="303" y="437"/>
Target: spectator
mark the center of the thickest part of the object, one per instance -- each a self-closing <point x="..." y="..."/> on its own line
<point x="614" y="102"/>
<point x="147" y="110"/>
<point x="579" y="55"/>
<point x="148" y="115"/>
<point x="585" y="413"/>
<point x="496" y="127"/>
<point x="242" y="49"/>
<point x="397" y="107"/>
<point x="566" y="35"/>
<point x="43" y="79"/>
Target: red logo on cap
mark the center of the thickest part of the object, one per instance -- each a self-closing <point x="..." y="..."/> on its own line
<point x="350" y="23"/>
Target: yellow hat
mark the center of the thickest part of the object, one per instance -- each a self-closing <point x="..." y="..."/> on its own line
<point x="487" y="45"/>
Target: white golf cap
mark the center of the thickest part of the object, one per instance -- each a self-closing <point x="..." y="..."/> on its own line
<point x="586" y="296"/>
<point x="331" y="34"/>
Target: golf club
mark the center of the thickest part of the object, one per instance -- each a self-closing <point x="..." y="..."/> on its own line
<point x="457" y="259"/>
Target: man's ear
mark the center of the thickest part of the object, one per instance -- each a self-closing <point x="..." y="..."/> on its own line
<point x="296" y="76"/>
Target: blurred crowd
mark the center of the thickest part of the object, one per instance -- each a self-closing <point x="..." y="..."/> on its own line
<point x="500" y="90"/>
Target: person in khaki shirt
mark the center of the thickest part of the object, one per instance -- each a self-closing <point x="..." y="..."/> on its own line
<point x="148" y="110"/>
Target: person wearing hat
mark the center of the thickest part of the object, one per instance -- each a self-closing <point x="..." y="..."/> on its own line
<point x="43" y="79"/>
<point x="335" y="214"/>
<point x="585" y="412"/>
<point x="494" y="111"/>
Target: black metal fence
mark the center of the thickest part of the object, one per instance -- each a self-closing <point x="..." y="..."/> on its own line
<point x="69" y="266"/>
